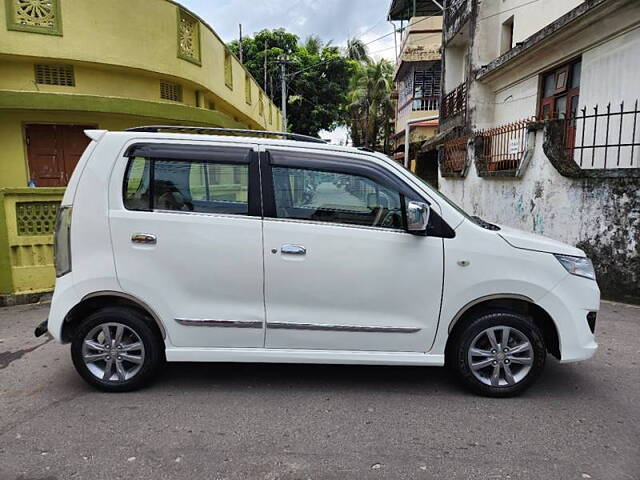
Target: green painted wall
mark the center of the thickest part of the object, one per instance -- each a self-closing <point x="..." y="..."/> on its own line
<point x="122" y="48"/>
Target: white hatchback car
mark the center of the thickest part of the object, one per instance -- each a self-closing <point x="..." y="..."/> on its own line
<point x="271" y="247"/>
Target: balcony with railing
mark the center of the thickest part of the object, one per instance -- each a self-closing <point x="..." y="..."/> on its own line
<point x="503" y="147"/>
<point x="454" y="102"/>
<point x="454" y="156"/>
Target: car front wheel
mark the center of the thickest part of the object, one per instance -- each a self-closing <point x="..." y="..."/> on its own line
<point x="500" y="354"/>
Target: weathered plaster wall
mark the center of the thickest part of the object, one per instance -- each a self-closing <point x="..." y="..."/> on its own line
<point x="601" y="216"/>
<point x="528" y="18"/>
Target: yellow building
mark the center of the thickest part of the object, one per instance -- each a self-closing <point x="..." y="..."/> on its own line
<point x="418" y="79"/>
<point x="67" y="65"/>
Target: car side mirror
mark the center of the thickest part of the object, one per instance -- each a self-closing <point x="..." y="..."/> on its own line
<point x="417" y="217"/>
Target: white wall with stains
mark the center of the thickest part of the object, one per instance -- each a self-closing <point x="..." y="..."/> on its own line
<point x="599" y="215"/>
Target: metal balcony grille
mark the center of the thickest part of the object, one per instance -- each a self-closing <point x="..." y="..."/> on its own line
<point x="55" y="75"/>
<point x="504" y="146"/>
<point x="454" y="155"/>
<point x="454" y="102"/>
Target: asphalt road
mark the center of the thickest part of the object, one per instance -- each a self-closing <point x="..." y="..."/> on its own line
<point x="254" y="421"/>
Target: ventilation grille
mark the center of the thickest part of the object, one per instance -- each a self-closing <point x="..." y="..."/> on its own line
<point x="171" y="91"/>
<point x="55" y="75"/>
<point x="36" y="218"/>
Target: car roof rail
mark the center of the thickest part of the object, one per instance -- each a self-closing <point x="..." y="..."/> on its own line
<point x="225" y="131"/>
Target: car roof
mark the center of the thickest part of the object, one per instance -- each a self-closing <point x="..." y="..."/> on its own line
<point x="231" y="139"/>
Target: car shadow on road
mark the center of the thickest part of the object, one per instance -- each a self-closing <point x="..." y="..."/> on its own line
<point x="556" y="380"/>
<point x="307" y="376"/>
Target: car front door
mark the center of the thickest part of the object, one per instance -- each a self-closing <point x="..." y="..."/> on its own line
<point x="341" y="271"/>
<point x="186" y="230"/>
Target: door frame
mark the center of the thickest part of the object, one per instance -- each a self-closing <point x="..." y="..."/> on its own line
<point x="353" y="164"/>
<point x="185" y="150"/>
<point x="25" y="145"/>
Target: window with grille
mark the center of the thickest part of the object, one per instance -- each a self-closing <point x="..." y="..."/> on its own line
<point x="261" y="105"/>
<point x="170" y="91"/>
<point x="228" y="71"/>
<point x="426" y="87"/>
<point x="55" y="75"/>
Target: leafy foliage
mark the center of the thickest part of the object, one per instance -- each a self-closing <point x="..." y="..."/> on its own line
<point x="370" y="110"/>
<point x="318" y="77"/>
<point x="326" y="87"/>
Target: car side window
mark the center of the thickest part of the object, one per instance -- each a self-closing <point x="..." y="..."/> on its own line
<point x="187" y="186"/>
<point x="136" y="184"/>
<point x="333" y="197"/>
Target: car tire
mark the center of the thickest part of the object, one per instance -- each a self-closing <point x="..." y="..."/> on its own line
<point x="128" y="359"/>
<point x="489" y="368"/>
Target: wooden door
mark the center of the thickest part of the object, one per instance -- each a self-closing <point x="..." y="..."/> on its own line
<point x="53" y="152"/>
<point x="74" y="141"/>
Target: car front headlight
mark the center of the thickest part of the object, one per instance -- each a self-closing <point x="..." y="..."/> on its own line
<point x="580" y="266"/>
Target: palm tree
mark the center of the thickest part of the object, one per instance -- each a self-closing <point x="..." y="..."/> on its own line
<point x="314" y="44"/>
<point x="357" y="50"/>
<point x="370" y="107"/>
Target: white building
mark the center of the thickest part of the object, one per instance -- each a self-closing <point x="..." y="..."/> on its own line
<point x="539" y="126"/>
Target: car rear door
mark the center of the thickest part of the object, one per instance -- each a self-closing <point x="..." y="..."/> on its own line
<point x="186" y="229"/>
<point x="341" y="272"/>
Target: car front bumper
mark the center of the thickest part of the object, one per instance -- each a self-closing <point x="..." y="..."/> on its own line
<point x="570" y="304"/>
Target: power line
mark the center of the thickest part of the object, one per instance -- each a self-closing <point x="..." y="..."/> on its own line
<point x="508" y="10"/>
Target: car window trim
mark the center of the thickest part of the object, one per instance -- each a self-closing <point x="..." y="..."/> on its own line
<point x="340" y="164"/>
<point x="190" y="153"/>
<point x="181" y="154"/>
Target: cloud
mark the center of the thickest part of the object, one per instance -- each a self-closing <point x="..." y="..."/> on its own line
<point x="332" y="20"/>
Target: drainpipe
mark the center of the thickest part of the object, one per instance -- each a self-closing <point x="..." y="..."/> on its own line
<point x="407" y="131"/>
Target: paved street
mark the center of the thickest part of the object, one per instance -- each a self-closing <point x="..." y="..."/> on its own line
<point x="321" y="422"/>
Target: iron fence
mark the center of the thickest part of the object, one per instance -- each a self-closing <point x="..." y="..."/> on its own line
<point x="504" y="146"/>
<point x="454" y="155"/>
<point x="604" y="139"/>
<point x="455" y="101"/>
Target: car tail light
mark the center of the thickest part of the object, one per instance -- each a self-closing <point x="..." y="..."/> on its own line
<point x="62" y="241"/>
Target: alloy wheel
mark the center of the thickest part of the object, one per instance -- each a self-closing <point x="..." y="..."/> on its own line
<point x="113" y="352"/>
<point x="500" y="356"/>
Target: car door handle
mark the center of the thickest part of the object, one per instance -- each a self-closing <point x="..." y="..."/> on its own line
<point x="293" y="249"/>
<point x="144" y="238"/>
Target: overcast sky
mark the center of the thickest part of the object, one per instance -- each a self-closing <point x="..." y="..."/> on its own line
<point x="332" y="20"/>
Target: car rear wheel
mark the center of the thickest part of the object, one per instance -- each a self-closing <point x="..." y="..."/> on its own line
<point x="116" y="350"/>
<point x="499" y="354"/>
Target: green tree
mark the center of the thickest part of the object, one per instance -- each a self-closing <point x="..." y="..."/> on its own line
<point x="369" y="110"/>
<point x="317" y="77"/>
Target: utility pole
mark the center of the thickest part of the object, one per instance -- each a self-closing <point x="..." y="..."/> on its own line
<point x="264" y="85"/>
<point x="283" y="75"/>
<point x="240" y="44"/>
